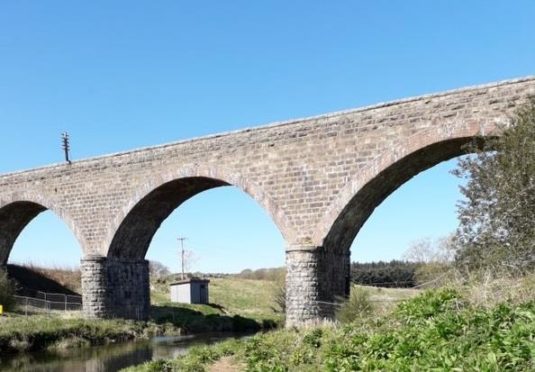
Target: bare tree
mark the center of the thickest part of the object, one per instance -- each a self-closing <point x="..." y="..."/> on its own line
<point x="434" y="256"/>
<point x="188" y="259"/>
<point x="158" y="270"/>
<point x="497" y="215"/>
<point x="427" y="250"/>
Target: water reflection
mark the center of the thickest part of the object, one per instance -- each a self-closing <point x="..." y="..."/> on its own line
<point x="109" y="357"/>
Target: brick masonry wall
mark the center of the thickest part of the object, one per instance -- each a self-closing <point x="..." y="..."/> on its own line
<point x="302" y="172"/>
<point x="319" y="178"/>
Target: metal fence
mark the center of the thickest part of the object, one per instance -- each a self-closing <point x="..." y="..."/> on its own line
<point x="43" y="301"/>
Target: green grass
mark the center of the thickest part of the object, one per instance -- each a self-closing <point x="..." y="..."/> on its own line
<point x="437" y="330"/>
<point x="246" y="297"/>
<point x="230" y="297"/>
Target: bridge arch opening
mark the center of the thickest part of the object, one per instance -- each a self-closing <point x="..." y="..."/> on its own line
<point x="126" y="265"/>
<point x="13" y="219"/>
<point x="136" y="231"/>
<point x="375" y="189"/>
<point x="40" y="253"/>
<point x="17" y="218"/>
<point x="226" y="231"/>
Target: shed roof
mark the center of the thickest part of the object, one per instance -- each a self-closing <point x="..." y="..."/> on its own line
<point x="192" y="280"/>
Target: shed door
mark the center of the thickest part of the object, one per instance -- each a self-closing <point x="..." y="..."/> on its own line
<point x="204" y="293"/>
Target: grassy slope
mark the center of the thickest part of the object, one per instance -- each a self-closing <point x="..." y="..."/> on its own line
<point x="438" y="330"/>
<point x="34" y="278"/>
<point x="247" y="297"/>
<point x="228" y="296"/>
<point x="52" y="280"/>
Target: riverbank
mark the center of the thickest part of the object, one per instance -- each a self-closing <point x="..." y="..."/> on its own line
<point x="38" y="332"/>
<point x="464" y="328"/>
<point x="20" y="334"/>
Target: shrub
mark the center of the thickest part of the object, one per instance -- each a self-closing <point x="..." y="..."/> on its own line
<point x="429" y="304"/>
<point x="357" y="306"/>
<point x="7" y="291"/>
<point x="279" y="297"/>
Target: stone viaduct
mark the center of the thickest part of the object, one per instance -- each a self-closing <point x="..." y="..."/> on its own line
<point x="318" y="178"/>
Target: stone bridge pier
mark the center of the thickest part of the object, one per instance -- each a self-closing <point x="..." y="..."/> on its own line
<point x="316" y="280"/>
<point x="115" y="288"/>
<point x="319" y="179"/>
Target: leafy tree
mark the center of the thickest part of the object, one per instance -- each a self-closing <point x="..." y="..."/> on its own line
<point x="497" y="216"/>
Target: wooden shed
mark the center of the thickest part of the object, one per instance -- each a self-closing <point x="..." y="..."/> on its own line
<point x="190" y="291"/>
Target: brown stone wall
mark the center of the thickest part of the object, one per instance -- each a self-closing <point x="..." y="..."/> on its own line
<point x="115" y="288"/>
<point x="319" y="178"/>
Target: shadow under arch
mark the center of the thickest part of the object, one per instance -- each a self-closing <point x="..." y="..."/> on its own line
<point x="17" y="211"/>
<point x="376" y="185"/>
<point x="133" y="230"/>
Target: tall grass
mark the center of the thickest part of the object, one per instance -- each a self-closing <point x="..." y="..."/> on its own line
<point x="357" y="306"/>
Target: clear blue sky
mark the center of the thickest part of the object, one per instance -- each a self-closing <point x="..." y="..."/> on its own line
<point x="124" y="74"/>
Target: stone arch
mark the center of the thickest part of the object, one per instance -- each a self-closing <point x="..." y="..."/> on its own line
<point x="18" y="209"/>
<point x="134" y="227"/>
<point x="423" y="150"/>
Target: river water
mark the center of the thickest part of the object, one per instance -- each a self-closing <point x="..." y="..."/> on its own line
<point x="109" y="357"/>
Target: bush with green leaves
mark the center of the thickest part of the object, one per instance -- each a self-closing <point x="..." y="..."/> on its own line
<point x="439" y="330"/>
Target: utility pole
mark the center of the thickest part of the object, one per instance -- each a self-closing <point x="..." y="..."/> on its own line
<point x="66" y="146"/>
<point x="181" y="240"/>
